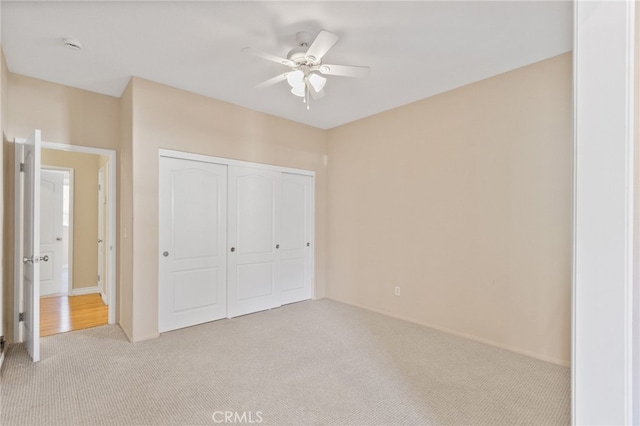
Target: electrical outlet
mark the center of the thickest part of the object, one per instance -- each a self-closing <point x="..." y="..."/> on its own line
<point x="397" y="291"/>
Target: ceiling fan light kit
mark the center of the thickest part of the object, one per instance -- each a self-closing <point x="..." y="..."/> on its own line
<point x="306" y="65"/>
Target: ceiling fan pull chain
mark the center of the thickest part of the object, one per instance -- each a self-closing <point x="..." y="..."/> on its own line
<point x="306" y="95"/>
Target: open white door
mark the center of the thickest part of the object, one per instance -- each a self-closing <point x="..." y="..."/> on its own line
<point x="30" y="168"/>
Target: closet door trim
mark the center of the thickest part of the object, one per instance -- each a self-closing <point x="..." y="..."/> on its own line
<point x="230" y="162"/>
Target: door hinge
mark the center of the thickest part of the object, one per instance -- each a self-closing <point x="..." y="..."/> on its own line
<point x="22" y="167"/>
<point x="21" y="317"/>
<point x="98" y="277"/>
<point x="2" y="343"/>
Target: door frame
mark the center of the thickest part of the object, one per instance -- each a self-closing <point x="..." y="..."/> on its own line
<point x="101" y="265"/>
<point x="71" y="186"/>
<point x="111" y="232"/>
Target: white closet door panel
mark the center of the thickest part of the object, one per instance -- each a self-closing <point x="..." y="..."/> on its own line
<point x="296" y="230"/>
<point x="255" y="280"/>
<point x="255" y="210"/>
<point x="293" y="212"/>
<point x="193" y="221"/>
<point x="252" y="227"/>
<point x="292" y="275"/>
<point x="196" y="195"/>
<point x="195" y="289"/>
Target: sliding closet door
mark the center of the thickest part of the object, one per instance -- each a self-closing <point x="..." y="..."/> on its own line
<point x="192" y="243"/>
<point x="252" y="240"/>
<point x="296" y="230"/>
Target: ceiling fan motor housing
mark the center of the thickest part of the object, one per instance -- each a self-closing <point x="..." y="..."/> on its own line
<point x="299" y="54"/>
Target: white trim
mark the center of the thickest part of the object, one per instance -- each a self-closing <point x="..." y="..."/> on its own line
<point x="101" y="272"/>
<point x="314" y="296"/>
<point x="17" y="242"/>
<point x="84" y="290"/>
<point x="604" y="185"/>
<point x="574" y="215"/>
<point x="49" y="296"/>
<point x="629" y="211"/>
<point x="112" y="213"/>
<point x="72" y="188"/>
<point x="230" y="162"/>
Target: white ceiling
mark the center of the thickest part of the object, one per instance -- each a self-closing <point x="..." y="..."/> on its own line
<point x="414" y="49"/>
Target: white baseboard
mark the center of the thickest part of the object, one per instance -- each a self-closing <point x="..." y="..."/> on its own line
<point x="44" y="296"/>
<point x="84" y="290"/>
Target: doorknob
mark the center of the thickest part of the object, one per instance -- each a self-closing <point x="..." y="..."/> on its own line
<point x="29" y="259"/>
<point x="58" y="238"/>
<point x="165" y="253"/>
<point x="233" y="249"/>
<point x="277" y="246"/>
<point x="99" y="241"/>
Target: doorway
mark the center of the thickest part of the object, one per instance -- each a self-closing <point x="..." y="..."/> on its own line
<point x="27" y="183"/>
<point x="77" y="299"/>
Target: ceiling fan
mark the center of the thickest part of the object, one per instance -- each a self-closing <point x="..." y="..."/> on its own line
<point x="306" y="67"/>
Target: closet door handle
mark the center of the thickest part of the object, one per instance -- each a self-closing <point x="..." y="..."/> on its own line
<point x="277" y="246"/>
<point x="233" y="249"/>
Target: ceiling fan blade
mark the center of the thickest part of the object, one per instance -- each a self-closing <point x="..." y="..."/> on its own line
<point x="315" y="95"/>
<point x="275" y="80"/>
<point x="344" y="70"/>
<point x="323" y="42"/>
<point x="267" y="56"/>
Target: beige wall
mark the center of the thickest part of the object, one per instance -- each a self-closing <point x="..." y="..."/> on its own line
<point x="464" y="201"/>
<point x="164" y="117"/>
<point x="85" y="211"/>
<point x="65" y="115"/>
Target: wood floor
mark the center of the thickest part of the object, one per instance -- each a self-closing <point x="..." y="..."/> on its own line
<point x="69" y="313"/>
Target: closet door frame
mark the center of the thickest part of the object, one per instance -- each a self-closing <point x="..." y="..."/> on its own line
<point x="230" y="162"/>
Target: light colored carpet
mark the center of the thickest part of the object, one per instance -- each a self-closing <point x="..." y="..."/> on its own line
<point x="315" y="362"/>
